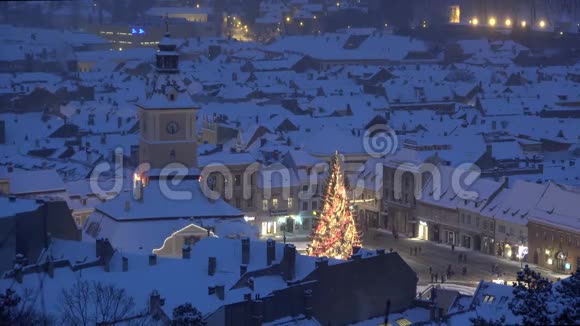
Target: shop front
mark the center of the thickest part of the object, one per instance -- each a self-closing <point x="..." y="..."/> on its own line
<point x="423" y="230"/>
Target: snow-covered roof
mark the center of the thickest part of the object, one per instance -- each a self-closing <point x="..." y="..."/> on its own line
<point x="176" y="280"/>
<point x="166" y="200"/>
<point x="33" y="182"/>
<point x="11" y="207"/>
<point x="559" y="206"/>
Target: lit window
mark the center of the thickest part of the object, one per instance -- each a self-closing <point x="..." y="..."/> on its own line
<point x="454" y="15"/>
<point x="275" y="203"/>
<point x="403" y="322"/>
<point x="488" y="298"/>
<point x="289" y="203"/>
<point x="265" y="205"/>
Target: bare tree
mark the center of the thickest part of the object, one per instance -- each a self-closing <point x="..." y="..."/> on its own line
<point x="17" y="310"/>
<point x="92" y="303"/>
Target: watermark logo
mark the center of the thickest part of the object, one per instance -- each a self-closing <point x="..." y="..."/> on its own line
<point x="380" y="140"/>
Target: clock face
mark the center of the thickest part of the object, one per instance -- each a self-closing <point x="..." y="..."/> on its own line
<point x="172" y="127"/>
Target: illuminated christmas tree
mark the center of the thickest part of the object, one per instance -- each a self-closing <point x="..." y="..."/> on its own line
<point x="336" y="232"/>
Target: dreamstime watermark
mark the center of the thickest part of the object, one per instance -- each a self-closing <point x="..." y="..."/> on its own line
<point x="276" y="181"/>
<point x="380" y="140"/>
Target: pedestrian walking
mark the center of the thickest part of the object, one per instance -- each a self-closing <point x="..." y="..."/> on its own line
<point x="492" y="268"/>
<point x="459" y="258"/>
<point x="442" y="278"/>
<point x="390" y="249"/>
<point x="465" y="258"/>
<point x="431" y="277"/>
<point x="430" y="270"/>
<point x="411" y="251"/>
<point x="452" y="247"/>
<point x="436" y="277"/>
<point x="419" y="249"/>
<point x="464" y="272"/>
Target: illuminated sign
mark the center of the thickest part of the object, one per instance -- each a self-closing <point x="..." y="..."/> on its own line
<point x="137" y="31"/>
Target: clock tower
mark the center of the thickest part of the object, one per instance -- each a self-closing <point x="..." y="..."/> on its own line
<point x="167" y="116"/>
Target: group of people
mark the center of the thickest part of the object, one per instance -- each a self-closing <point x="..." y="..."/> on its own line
<point x="449" y="273"/>
<point x="413" y="250"/>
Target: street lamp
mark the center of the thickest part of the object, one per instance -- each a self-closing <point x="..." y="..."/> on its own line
<point x="542" y="24"/>
<point x="491" y="21"/>
<point x="508" y="22"/>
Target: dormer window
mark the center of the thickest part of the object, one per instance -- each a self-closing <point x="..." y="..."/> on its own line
<point x="172" y="97"/>
<point x="488" y="298"/>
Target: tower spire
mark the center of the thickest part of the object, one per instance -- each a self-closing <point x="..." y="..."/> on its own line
<point x="166" y="24"/>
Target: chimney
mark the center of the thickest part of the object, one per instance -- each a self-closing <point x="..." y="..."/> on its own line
<point x="99" y="248"/>
<point x="138" y="190"/>
<point x="355" y="249"/>
<point x="155" y="302"/>
<point x="380" y="251"/>
<point x="251" y="283"/>
<point x="270" y="251"/>
<point x="245" y="251"/>
<point x="321" y="262"/>
<point x="186" y="252"/>
<point x="211" y="265"/>
<point x="257" y="307"/>
<point x="308" y="303"/>
<point x="289" y="262"/>
<point x="125" y="264"/>
<point x="220" y="291"/>
<point x="152" y="259"/>
<point x="247" y="296"/>
<point x="243" y="269"/>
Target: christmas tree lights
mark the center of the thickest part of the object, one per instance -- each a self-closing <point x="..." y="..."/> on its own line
<point x="336" y="232"/>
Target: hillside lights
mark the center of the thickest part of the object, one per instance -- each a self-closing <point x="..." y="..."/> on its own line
<point x="492" y="21"/>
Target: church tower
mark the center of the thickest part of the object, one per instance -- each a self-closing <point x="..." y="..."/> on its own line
<point x="167" y="115"/>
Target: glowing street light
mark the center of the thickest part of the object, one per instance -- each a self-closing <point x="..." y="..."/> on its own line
<point x="338" y="4"/>
<point x="524" y="23"/>
<point x="475" y="21"/>
<point x="508" y="22"/>
<point x="287" y="19"/>
<point x="491" y="21"/>
<point x="542" y="24"/>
